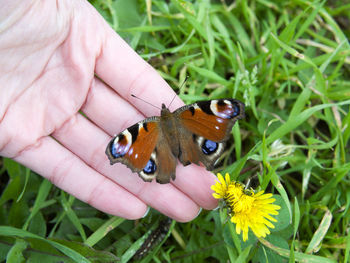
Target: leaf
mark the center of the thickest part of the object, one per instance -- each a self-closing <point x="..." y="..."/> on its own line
<point x="15" y="254"/>
<point x="88" y="252"/>
<point x="15" y="232"/>
<point x="299" y="257"/>
<point x="320" y="233"/>
<point x="100" y="233"/>
<point x="295" y="121"/>
<point x="43" y="192"/>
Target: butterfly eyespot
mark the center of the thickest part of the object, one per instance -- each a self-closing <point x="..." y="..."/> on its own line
<point x="150" y="167"/>
<point x="120" y="146"/>
<point x="115" y="153"/>
<point x="209" y="147"/>
<point x="236" y="110"/>
<point x="226" y="109"/>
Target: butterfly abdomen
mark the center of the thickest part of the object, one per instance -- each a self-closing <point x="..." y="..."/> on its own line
<point x="170" y="130"/>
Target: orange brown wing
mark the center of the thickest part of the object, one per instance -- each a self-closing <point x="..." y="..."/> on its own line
<point x="211" y="119"/>
<point x="134" y="145"/>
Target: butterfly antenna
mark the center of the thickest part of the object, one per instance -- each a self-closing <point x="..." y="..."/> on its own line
<point x="132" y="95"/>
<point x="183" y="83"/>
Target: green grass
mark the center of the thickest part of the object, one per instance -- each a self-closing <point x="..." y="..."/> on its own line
<point x="289" y="61"/>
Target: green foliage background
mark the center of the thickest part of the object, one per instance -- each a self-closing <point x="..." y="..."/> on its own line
<point x="289" y="62"/>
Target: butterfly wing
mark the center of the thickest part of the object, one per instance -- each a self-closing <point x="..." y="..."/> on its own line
<point x="205" y="127"/>
<point x="138" y="148"/>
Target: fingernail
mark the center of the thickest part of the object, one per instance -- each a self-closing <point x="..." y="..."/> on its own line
<point x="147" y="211"/>
<point x="200" y="210"/>
<point x="216" y="208"/>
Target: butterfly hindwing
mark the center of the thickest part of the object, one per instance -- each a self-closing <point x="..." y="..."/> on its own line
<point x="165" y="161"/>
<point x="208" y="124"/>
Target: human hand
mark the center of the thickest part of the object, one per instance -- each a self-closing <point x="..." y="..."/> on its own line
<point x="50" y="52"/>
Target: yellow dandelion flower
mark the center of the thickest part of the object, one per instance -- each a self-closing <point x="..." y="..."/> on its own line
<point x="246" y="209"/>
<point x="235" y="191"/>
<point x="220" y="188"/>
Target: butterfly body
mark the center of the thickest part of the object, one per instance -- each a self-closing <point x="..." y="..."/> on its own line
<point x="194" y="133"/>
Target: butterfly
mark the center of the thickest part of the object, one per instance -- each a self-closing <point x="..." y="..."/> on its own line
<point x="195" y="133"/>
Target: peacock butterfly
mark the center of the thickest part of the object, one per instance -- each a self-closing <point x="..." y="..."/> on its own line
<point x="193" y="133"/>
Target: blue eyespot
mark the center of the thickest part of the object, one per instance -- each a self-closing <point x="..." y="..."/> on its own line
<point x="119" y="146"/>
<point x="209" y="147"/>
<point x="116" y="151"/>
<point x="150" y="167"/>
<point x="236" y="110"/>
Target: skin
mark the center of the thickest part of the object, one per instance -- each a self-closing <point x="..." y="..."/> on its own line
<point x="50" y="55"/>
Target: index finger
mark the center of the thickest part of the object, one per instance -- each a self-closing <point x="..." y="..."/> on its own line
<point x="127" y="73"/>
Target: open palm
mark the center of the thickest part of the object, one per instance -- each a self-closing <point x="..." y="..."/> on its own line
<point x="50" y="55"/>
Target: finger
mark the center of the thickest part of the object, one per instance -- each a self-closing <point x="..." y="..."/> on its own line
<point x="127" y="73"/>
<point x="64" y="169"/>
<point x="196" y="182"/>
<point x="89" y="142"/>
<point x="108" y="110"/>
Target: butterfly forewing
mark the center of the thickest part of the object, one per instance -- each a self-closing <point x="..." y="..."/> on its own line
<point x="213" y="119"/>
<point x="134" y="145"/>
